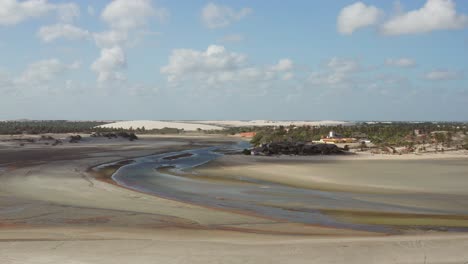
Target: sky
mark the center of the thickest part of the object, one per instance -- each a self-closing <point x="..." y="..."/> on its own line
<point x="204" y="60"/>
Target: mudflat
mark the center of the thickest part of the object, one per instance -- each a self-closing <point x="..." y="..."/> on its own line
<point x="52" y="210"/>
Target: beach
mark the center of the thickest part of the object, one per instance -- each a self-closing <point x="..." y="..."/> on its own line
<point x="53" y="210"/>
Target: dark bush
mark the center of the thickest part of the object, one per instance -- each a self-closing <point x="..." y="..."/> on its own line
<point x="75" y="139"/>
<point x="246" y="152"/>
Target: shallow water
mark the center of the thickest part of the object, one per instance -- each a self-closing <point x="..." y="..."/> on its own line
<point x="169" y="178"/>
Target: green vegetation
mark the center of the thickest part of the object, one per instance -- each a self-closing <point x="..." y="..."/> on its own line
<point x="445" y="134"/>
<point x="62" y="126"/>
<point x="232" y="130"/>
<point x="46" y="126"/>
<point x="383" y="134"/>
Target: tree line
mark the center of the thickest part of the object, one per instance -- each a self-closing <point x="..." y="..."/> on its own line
<point x="394" y="134"/>
<point x="63" y="126"/>
<point x="47" y="126"/>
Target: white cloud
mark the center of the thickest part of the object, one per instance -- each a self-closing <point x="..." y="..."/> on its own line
<point x="440" y="75"/>
<point x="214" y="59"/>
<point x="109" y="65"/>
<point x="283" y="65"/>
<point x="401" y="62"/>
<point x="37" y="78"/>
<point x="343" y="65"/>
<point x="127" y="20"/>
<point x="13" y="11"/>
<point x="434" y="15"/>
<point x="355" y="16"/>
<point x="44" y="71"/>
<point x="218" y="16"/>
<point x="110" y="38"/>
<point x="130" y="14"/>
<point x="218" y="68"/>
<point x="66" y="31"/>
<point x="232" y="38"/>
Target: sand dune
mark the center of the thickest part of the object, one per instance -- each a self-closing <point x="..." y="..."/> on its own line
<point x="260" y="123"/>
<point x="149" y="124"/>
<point x="216" y="125"/>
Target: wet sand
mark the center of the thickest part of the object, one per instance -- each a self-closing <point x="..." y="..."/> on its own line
<point x="53" y="211"/>
<point x="420" y="192"/>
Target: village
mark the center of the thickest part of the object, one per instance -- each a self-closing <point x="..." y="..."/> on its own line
<point x="416" y="141"/>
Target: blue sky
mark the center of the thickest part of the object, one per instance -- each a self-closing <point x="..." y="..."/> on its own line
<point x="143" y="59"/>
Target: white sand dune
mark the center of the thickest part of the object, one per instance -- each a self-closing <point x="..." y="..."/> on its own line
<point x="238" y="123"/>
<point x="215" y="125"/>
<point x="149" y="124"/>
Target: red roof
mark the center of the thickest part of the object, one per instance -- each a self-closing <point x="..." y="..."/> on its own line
<point x="248" y="134"/>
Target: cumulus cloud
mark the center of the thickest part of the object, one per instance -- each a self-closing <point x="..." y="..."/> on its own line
<point x="66" y="31"/>
<point x="110" y="38"/>
<point x="13" y="11"/>
<point x="109" y="65"/>
<point x="401" y="62"/>
<point x="38" y="77"/>
<point x="434" y="15"/>
<point x="283" y="65"/>
<point x="214" y="59"/>
<point x="441" y="75"/>
<point x="44" y="71"/>
<point x="218" y="16"/>
<point x="343" y="65"/>
<point x="127" y="20"/>
<point x="356" y="16"/>
<point x="130" y="14"/>
<point x="218" y="67"/>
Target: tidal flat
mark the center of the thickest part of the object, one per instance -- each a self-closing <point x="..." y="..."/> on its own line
<point x="54" y="207"/>
<point x="370" y="195"/>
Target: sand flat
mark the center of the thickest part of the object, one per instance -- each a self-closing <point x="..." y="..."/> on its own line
<point x="431" y="173"/>
<point x="143" y="246"/>
<point x="52" y="211"/>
